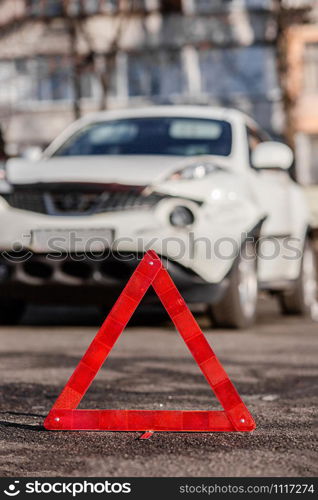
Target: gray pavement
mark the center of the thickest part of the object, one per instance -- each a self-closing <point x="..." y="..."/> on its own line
<point x="274" y="366"/>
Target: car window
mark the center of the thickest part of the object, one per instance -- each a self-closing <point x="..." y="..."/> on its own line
<point x="151" y="136"/>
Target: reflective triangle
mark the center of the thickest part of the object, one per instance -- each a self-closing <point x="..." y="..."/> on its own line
<point x="64" y="414"/>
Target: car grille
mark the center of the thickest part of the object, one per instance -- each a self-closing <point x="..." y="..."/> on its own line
<point x="80" y="202"/>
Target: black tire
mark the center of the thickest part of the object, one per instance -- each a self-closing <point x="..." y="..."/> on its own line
<point x="231" y="311"/>
<point x="301" y="299"/>
<point x="11" y="312"/>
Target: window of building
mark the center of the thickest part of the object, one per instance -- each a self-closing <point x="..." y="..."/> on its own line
<point x="91" y="7"/>
<point x="249" y="71"/>
<point x="155" y="74"/>
<point x="207" y="6"/>
<point x="88" y="81"/>
<point x="135" y="5"/>
<point x="21" y="66"/>
<point x="42" y="79"/>
<point x="311" y="68"/>
<point x="34" y="7"/>
<point x="54" y="80"/>
<point x="307" y="161"/>
<point x="7" y="74"/>
<point x="212" y="6"/>
<point x="16" y="81"/>
<point x="258" y="4"/>
<point x="53" y="7"/>
<point x="48" y="8"/>
<point x="204" y="6"/>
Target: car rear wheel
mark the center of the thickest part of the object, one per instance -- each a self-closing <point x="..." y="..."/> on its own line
<point x="237" y="309"/>
<point x="302" y="298"/>
<point x="11" y="311"/>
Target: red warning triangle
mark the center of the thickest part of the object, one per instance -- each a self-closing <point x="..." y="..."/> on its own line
<point x="65" y="416"/>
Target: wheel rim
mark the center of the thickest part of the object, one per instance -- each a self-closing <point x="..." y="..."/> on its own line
<point x="309" y="280"/>
<point x="248" y="286"/>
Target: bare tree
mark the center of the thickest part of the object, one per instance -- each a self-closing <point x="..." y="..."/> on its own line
<point x="75" y="21"/>
<point x="76" y="28"/>
<point x="103" y="71"/>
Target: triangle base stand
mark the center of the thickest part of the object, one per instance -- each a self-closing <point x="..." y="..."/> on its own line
<point x="64" y="414"/>
<point x="139" y="420"/>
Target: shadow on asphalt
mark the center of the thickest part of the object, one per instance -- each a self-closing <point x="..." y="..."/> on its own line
<point x="39" y="315"/>
<point x="87" y="316"/>
<point x="22" y="426"/>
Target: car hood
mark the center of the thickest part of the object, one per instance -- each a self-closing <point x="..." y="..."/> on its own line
<point x="129" y="170"/>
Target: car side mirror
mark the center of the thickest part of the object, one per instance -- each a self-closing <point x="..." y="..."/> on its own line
<point x="272" y="155"/>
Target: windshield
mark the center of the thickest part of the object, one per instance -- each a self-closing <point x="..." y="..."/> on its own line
<point x="151" y="136"/>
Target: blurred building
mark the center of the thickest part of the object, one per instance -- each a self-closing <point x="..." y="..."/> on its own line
<point x="63" y="58"/>
<point x="303" y="85"/>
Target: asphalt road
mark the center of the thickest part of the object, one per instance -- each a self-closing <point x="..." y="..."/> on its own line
<point x="274" y="367"/>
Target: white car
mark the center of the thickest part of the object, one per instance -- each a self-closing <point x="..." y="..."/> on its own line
<point x="204" y="187"/>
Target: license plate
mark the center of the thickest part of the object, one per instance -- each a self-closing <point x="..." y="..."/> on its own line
<point x="72" y="240"/>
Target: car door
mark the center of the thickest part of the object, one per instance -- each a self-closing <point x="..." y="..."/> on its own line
<point x="273" y="190"/>
<point x="273" y="187"/>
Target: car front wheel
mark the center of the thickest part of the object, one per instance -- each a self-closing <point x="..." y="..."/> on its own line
<point x="237" y="309"/>
<point x="301" y="299"/>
